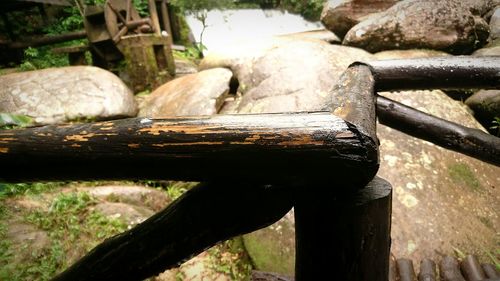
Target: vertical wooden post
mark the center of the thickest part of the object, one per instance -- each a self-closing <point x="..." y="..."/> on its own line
<point x="166" y="20"/>
<point x="344" y="237"/>
<point x="153" y="13"/>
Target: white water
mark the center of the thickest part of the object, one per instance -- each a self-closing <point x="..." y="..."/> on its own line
<point x="225" y="27"/>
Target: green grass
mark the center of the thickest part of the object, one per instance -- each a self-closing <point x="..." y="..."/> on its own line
<point x="462" y="174"/>
<point x="70" y="226"/>
<point x="15" y="189"/>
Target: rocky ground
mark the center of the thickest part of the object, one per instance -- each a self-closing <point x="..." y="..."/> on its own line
<point x="46" y="227"/>
<point x="444" y="203"/>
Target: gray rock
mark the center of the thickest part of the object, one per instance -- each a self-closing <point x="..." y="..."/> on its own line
<point x="495" y="24"/>
<point x="485" y="104"/>
<point x="491" y="49"/>
<point x="272" y="249"/>
<point x="442" y="200"/>
<point x="184" y="67"/>
<point x="341" y="15"/>
<point x="487" y="52"/>
<point x="283" y="75"/>
<point x="60" y="94"/>
<point x="151" y="198"/>
<point x="130" y="214"/>
<point x="201" y="93"/>
<point x="408" y="54"/>
<point x="320" y="34"/>
<point x="453" y="26"/>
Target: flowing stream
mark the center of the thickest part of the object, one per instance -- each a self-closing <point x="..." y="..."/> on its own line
<point x="227" y="26"/>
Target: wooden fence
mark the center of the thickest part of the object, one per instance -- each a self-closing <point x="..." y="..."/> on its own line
<point x="322" y="163"/>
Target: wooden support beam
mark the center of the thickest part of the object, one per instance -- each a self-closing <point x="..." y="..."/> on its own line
<point x="290" y="149"/>
<point x="490" y="271"/>
<point x="202" y="217"/>
<point x="344" y="236"/>
<point x="47" y="40"/>
<point x="437" y="73"/>
<point x="427" y="271"/>
<point x="406" y="270"/>
<point x="166" y="20"/>
<point x="153" y="13"/>
<point x="472" y="142"/>
<point x="450" y="270"/>
<point x="471" y="269"/>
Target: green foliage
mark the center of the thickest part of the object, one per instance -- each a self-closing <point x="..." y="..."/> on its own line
<point x="69" y="20"/>
<point x="310" y="9"/>
<point x="10" y="121"/>
<point x="191" y="53"/>
<point x="15" y="189"/>
<point x="199" y="6"/>
<point x="42" y="57"/>
<point x="140" y="5"/>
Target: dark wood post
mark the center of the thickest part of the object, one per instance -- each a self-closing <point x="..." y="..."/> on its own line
<point x="166" y="20"/>
<point x="344" y="237"/>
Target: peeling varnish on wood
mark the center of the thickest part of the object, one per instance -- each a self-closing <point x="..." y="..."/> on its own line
<point x="4" y="150"/>
<point x="44" y="134"/>
<point x="85" y="137"/>
<point x="305" y="140"/>
<point x="186" y="144"/>
<point x="188" y="130"/>
<point x="4" y="140"/>
<point x="134" y="145"/>
<point x="345" y="135"/>
<point x="79" y="138"/>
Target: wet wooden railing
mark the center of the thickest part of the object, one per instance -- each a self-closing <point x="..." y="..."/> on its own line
<point x="255" y="169"/>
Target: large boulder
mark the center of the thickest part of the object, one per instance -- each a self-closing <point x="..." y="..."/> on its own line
<point x="453" y="26"/>
<point x="341" y="15"/>
<point x="273" y="79"/>
<point x="201" y="93"/>
<point x="495" y="24"/>
<point x="319" y="34"/>
<point x="63" y="94"/>
<point x="485" y="104"/>
<point x="442" y="200"/>
<point x="409" y="54"/>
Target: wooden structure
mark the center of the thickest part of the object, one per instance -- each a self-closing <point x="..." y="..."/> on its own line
<point x="116" y="31"/>
<point x="322" y="164"/>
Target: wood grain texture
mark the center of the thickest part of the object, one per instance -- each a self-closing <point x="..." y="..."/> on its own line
<point x="271" y="148"/>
